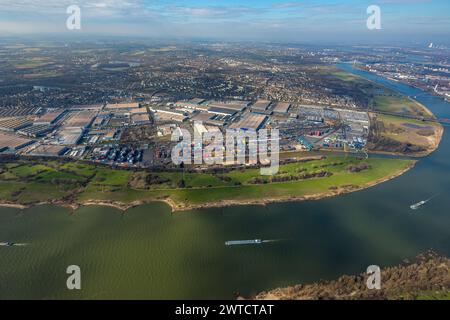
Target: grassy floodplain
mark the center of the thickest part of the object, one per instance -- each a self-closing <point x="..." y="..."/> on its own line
<point x="27" y="183"/>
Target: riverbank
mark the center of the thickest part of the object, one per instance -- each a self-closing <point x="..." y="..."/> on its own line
<point x="179" y="206"/>
<point x="434" y="145"/>
<point x="394" y="135"/>
<point x="390" y="132"/>
<point x="426" y="277"/>
<point x="266" y="201"/>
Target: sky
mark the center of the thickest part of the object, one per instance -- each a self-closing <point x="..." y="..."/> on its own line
<point x="246" y="20"/>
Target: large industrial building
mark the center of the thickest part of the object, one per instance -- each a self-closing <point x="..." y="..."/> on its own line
<point x="222" y="111"/>
<point x="14" y="124"/>
<point x="260" y="106"/>
<point x="50" y="117"/>
<point x="140" y="119"/>
<point x="237" y="106"/>
<point x="93" y="107"/>
<point x="281" y="108"/>
<point x="36" y="131"/>
<point x="80" y="119"/>
<point x="49" y="151"/>
<point x="250" y="121"/>
<point x="70" y="136"/>
<point x="162" y="114"/>
<point x="9" y="142"/>
<point x="194" y="104"/>
<point x="121" y="106"/>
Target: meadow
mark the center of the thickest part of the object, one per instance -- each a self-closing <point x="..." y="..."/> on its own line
<point x="26" y="182"/>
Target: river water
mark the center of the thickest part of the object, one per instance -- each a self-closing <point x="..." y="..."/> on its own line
<point x="148" y="253"/>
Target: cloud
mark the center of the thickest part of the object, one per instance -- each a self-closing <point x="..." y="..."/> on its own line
<point x="213" y="11"/>
<point x="284" y="5"/>
<point x="290" y="18"/>
<point x="110" y="8"/>
<point x="404" y="1"/>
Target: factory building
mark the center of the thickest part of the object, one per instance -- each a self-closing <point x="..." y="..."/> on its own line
<point x="193" y="104"/>
<point x="80" y="119"/>
<point x="70" y="136"/>
<point x="237" y="106"/>
<point x="139" y="119"/>
<point x="211" y="119"/>
<point x="162" y="114"/>
<point x="281" y="108"/>
<point x="250" y="121"/>
<point x="36" y="131"/>
<point x="222" y="111"/>
<point x="84" y="107"/>
<point x="121" y="106"/>
<point x="50" y="117"/>
<point x="14" y="124"/>
<point x="9" y="142"/>
<point x="49" y="151"/>
<point x="260" y="106"/>
<point x="137" y="111"/>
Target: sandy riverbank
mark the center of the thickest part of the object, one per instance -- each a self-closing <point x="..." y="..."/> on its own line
<point x="342" y="190"/>
<point x="13" y="205"/>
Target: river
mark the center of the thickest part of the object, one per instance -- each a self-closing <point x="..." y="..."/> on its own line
<point x="148" y="253"/>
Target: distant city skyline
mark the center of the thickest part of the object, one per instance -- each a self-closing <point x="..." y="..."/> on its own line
<point x="257" y="20"/>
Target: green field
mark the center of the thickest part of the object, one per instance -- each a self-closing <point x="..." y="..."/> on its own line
<point x="29" y="183"/>
<point x="445" y="295"/>
<point x="399" y="104"/>
<point x="31" y="64"/>
<point x="346" y="76"/>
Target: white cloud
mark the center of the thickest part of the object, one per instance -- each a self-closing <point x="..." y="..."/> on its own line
<point x="90" y="7"/>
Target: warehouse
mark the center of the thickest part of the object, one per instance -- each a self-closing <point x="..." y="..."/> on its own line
<point x="167" y="115"/>
<point x="122" y="106"/>
<point x="36" y="131"/>
<point x="50" y="117"/>
<point x="49" y="151"/>
<point x="210" y="118"/>
<point x="84" y="107"/>
<point x="14" y="124"/>
<point x="12" y="142"/>
<point x="194" y="104"/>
<point x="9" y="112"/>
<point x="281" y="108"/>
<point x="70" y="136"/>
<point x="233" y="105"/>
<point x="260" y="106"/>
<point x="139" y="119"/>
<point x="197" y="101"/>
<point x="222" y="111"/>
<point x="80" y="119"/>
<point x="137" y="111"/>
<point x="101" y="120"/>
<point x="250" y="121"/>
